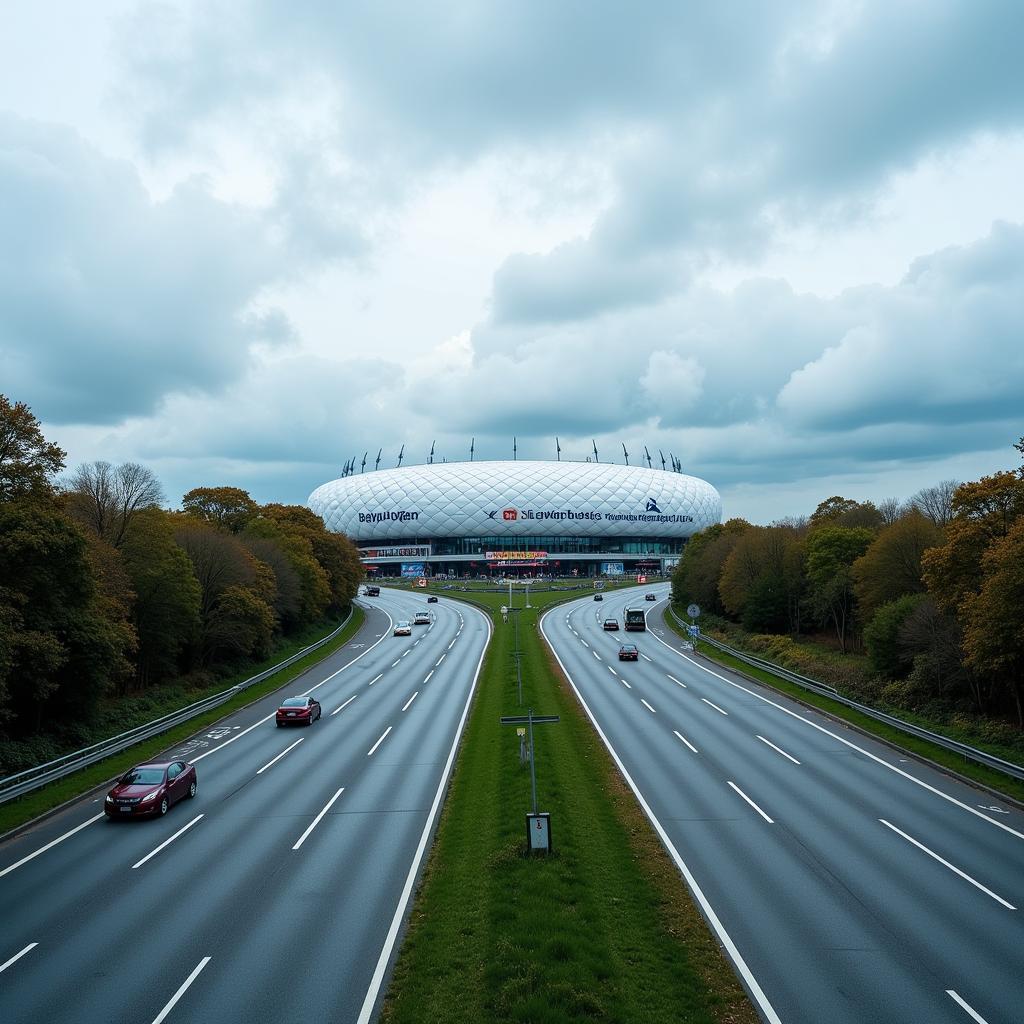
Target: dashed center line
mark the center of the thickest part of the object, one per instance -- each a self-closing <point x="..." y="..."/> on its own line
<point x="383" y="737"/>
<point x="451" y="645"/>
<point x="439" y="660"/>
<point x="341" y="707"/>
<point x="162" y="1015"/>
<point x="316" y="820"/>
<point x="613" y="672"/>
<point x="596" y="655"/>
<point x="751" y="802"/>
<point x="648" y="706"/>
<point x="715" y="706"/>
<point x="584" y="642"/>
<point x="279" y="756"/>
<point x="428" y="675"/>
<point x="394" y="664"/>
<point x="166" y="842"/>
<point x="17" y="956"/>
<point x="625" y="684"/>
<point x="410" y="700"/>
<point x="778" y="750"/>
<point x="946" y="864"/>
<point x="644" y="656"/>
<point x="677" y="682"/>
<point x="372" y="681"/>
<point x="686" y="741"/>
<point x="969" y="1010"/>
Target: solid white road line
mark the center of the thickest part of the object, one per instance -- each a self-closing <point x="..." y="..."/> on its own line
<point x="369" y="753"/>
<point x="377" y="980"/>
<point x="946" y="864"/>
<point x="238" y="736"/>
<point x="341" y="707"/>
<point x="715" y="706"/>
<point x="429" y="674"/>
<point x="166" y="842"/>
<point x="969" y="1010"/>
<point x="845" y="742"/>
<point x="686" y="741"/>
<point x="17" y="956"/>
<point x="410" y="700"/>
<point x="613" y="672"/>
<point x="648" y="706"/>
<point x="375" y="679"/>
<point x="751" y="802"/>
<point x="316" y="820"/>
<point x="439" y="660"/>
<point x="778" y="750"/>
<point x="181" y="991"/>
<point x="391" y="622"/>
<point x="751" y="983"/>
<point x="279" y="756"/>
<point x="53" y="842"/>
<point x="677" y="682"/>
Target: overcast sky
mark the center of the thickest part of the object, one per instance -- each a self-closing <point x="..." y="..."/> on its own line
<point x="241" y="242"/>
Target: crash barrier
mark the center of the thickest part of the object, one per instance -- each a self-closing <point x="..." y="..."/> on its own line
<point x="968" y="753"/>
<point x="33" y="778"/>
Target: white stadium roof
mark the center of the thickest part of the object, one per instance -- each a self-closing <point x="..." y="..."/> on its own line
<point x="514" y="499"/>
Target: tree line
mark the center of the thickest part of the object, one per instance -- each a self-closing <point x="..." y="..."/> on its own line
<point x="103" y="591"/>
<point x="931" y="588"/>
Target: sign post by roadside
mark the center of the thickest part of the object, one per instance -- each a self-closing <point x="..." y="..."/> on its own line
<point x="693" y="629"/>
<point x="538" y="823"/>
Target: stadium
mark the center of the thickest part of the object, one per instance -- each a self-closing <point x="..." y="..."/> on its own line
<point x="518" y="518"/>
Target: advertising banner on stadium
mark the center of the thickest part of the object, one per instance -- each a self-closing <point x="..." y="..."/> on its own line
<point x="413" y="551"/>
<point x="517" y="556"/>
<point x="413" y="569"/>
<point x="613" y="569"/>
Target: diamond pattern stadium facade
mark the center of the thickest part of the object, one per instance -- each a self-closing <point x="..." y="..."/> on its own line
<point x="522" y="518"/>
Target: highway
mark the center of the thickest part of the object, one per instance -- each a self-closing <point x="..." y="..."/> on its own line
<point x="279" y="892"/>
<point x="848" y="883"/>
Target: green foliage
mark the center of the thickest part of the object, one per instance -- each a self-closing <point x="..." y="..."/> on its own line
<point x="229" y="508"/>
<point x="831" y="552"/>
<point x="695" y="579"/>
<point x="27" y="459"/>
<point x="889" y="657"/>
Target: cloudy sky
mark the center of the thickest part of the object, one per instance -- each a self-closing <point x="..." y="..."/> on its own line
<point x="242" y="241"/>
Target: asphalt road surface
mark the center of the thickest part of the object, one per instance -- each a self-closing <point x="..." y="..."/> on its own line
<point x="279" y="892"/>
<point x="849" y="884"/>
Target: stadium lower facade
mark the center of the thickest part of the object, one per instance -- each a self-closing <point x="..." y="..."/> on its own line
<point x="518" y="518"/>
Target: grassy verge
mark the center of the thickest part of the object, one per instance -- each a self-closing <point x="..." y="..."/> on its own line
<point x="30" y="806"/>
<point x="602" y="929"/>
<point x="940" y="755"/>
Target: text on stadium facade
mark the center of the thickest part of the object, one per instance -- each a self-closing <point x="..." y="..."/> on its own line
<point x="388" y="517"/>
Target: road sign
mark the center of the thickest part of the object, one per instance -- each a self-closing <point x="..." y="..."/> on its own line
<point x="641" y="579"/>
<point x="538" y="832"/>
<point x="693" y="611"/>
<point x="693" y="630"/>
<point x="421" y="582"/>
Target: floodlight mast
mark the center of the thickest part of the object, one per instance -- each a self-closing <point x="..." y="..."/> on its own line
<point x="401" y="454"/>
<point x="376" y="465"/>
<point x="594" y="443"/>
<point x="624" y="452"/>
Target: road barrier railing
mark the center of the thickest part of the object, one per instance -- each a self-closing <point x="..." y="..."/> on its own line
<point x="33" y="778"/>
<point x="967" y="752"/>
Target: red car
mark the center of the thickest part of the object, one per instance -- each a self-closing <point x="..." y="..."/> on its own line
<point x="151" y="789"/>
<point x="298" y="711"/>
<point x="628" y="652"/>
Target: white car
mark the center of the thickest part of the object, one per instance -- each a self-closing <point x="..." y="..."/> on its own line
<point x="403" y="628"/>
<point x="421" y="619"/>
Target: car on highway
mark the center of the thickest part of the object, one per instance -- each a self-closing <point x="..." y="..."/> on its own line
<point x="402" y="628"/>
<point x="628" y="652"/>
<point x="599" y="597"/>
<point x="432" y="599"/>
<point x="421" y="619"/>
<point x="372" y="591"/>
<point x="150" y="789"/>
<point x="650" y="597"/>
<point x="298" y="711"/>
<point x="611" y="625"/>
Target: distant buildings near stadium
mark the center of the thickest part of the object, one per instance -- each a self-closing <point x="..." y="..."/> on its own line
<point x="518" y="518"/>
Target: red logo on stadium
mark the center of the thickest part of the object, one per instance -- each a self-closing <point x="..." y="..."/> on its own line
<point x="509" y="515"/>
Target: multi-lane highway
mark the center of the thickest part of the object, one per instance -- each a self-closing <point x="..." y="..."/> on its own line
<point x="848" y="883"/>
<point x="278" y="892"/>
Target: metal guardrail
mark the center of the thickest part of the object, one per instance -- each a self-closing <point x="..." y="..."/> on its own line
<point x="33" y="778"/>
<point x="969" y="753"/>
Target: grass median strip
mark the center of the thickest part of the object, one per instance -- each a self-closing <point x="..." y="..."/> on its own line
<point x="602" y="928"/>
<point x="30" y="806"/>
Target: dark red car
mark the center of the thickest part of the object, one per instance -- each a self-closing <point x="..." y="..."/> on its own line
<point x="151" y="789"/>
<point x="298" y="711"/>
<point x="628" y="652"/>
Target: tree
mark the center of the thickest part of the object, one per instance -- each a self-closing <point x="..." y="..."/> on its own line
<point x="27" y="459"/>
<point x="891" y="566"/>
<point x="227" y="507"/>
<point x="993" y="627"/>
<point x="107" y="499"/>
<point x="759" y="577"/>
<point x="936" y="503"/>
<point x="168" y="596"/>
<point x="695" y="578"/>
<point x="240" y="625"/>
<point x="888" y="655"/>
<point x="890" y="509"/>
<point x="831" y="552"/>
